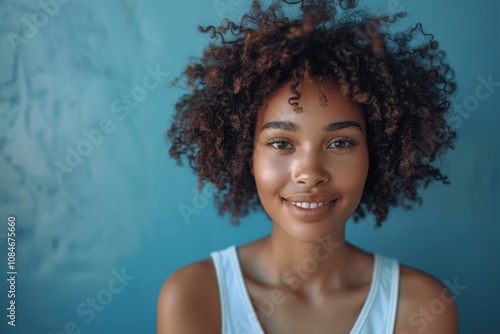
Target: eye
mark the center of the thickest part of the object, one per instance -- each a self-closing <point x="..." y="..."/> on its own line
<point x="343" y="144"/>
<point x="279" y="144"/>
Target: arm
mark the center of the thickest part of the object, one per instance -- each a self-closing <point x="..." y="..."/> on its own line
<point x="426" y="306"/>
<point x="188" y="302"/>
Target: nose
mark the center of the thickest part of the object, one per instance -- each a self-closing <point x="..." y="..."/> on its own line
<point x="310" y="169"/>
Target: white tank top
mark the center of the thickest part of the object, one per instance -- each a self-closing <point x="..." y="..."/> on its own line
<point x="377" y="315"/>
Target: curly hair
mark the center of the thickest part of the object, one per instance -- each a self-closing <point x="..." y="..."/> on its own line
<point x="401" y="79"/>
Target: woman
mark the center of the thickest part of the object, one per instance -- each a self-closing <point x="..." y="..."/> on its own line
<point x="315" y="118"/>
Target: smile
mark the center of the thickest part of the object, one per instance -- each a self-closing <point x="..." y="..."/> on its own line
<point x="309" y="205"/>
<point x="310" y="210"/>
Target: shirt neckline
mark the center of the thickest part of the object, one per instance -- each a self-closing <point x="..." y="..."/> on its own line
<point x="358" y="324"/>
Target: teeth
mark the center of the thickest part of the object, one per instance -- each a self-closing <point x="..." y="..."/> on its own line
<point x="307" y="205"/>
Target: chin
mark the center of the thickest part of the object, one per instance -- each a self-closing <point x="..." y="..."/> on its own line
<point x="311" y="225"/>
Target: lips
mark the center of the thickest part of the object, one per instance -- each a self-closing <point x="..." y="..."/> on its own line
<point x="309" y="198"/>
<point x="311" y="207"/>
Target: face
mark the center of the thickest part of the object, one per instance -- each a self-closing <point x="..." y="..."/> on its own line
<point x="310" y="167"/>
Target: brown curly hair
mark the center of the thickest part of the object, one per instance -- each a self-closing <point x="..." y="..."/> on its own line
<point x="401" y="79"/>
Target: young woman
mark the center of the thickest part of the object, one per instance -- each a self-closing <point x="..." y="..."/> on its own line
<point x="314" y="117"/>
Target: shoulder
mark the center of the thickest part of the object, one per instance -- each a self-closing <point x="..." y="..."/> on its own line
<point x="187" y="299"/>
<point x="424" y="304"/>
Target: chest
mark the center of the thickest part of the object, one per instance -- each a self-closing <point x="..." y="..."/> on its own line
<point x="280" y="310"/>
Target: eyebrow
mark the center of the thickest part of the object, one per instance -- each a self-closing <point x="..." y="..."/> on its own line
<point x="293" y="127"/>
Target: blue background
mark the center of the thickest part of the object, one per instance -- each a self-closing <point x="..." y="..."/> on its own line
<point x="118" y="209"/>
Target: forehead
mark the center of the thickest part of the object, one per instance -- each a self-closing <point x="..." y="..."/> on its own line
<point x="337" y="108"/>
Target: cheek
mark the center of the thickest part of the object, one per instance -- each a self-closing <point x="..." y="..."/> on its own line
<point x="352" y="178"/>
<point x="270" y="173"/>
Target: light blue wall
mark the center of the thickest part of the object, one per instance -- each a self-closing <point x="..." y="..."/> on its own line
<point x="118" y="208"/>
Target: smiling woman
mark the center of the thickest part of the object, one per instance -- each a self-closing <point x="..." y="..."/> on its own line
<point x="316" y="118"/>
<point x="310" y="166"/>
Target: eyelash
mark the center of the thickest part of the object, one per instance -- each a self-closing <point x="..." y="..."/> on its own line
<point x="349" y="141"/>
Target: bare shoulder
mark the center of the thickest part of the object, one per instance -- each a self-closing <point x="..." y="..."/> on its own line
<point x="425" y="304"/>
<point x="189" y="301"/>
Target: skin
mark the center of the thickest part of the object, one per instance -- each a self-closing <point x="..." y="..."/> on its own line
<point x="327" y="295"/>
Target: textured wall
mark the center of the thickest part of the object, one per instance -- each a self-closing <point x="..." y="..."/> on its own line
<point x="84" y="168"/>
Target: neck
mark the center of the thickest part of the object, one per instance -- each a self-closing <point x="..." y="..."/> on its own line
<point x="307" y="266"/>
